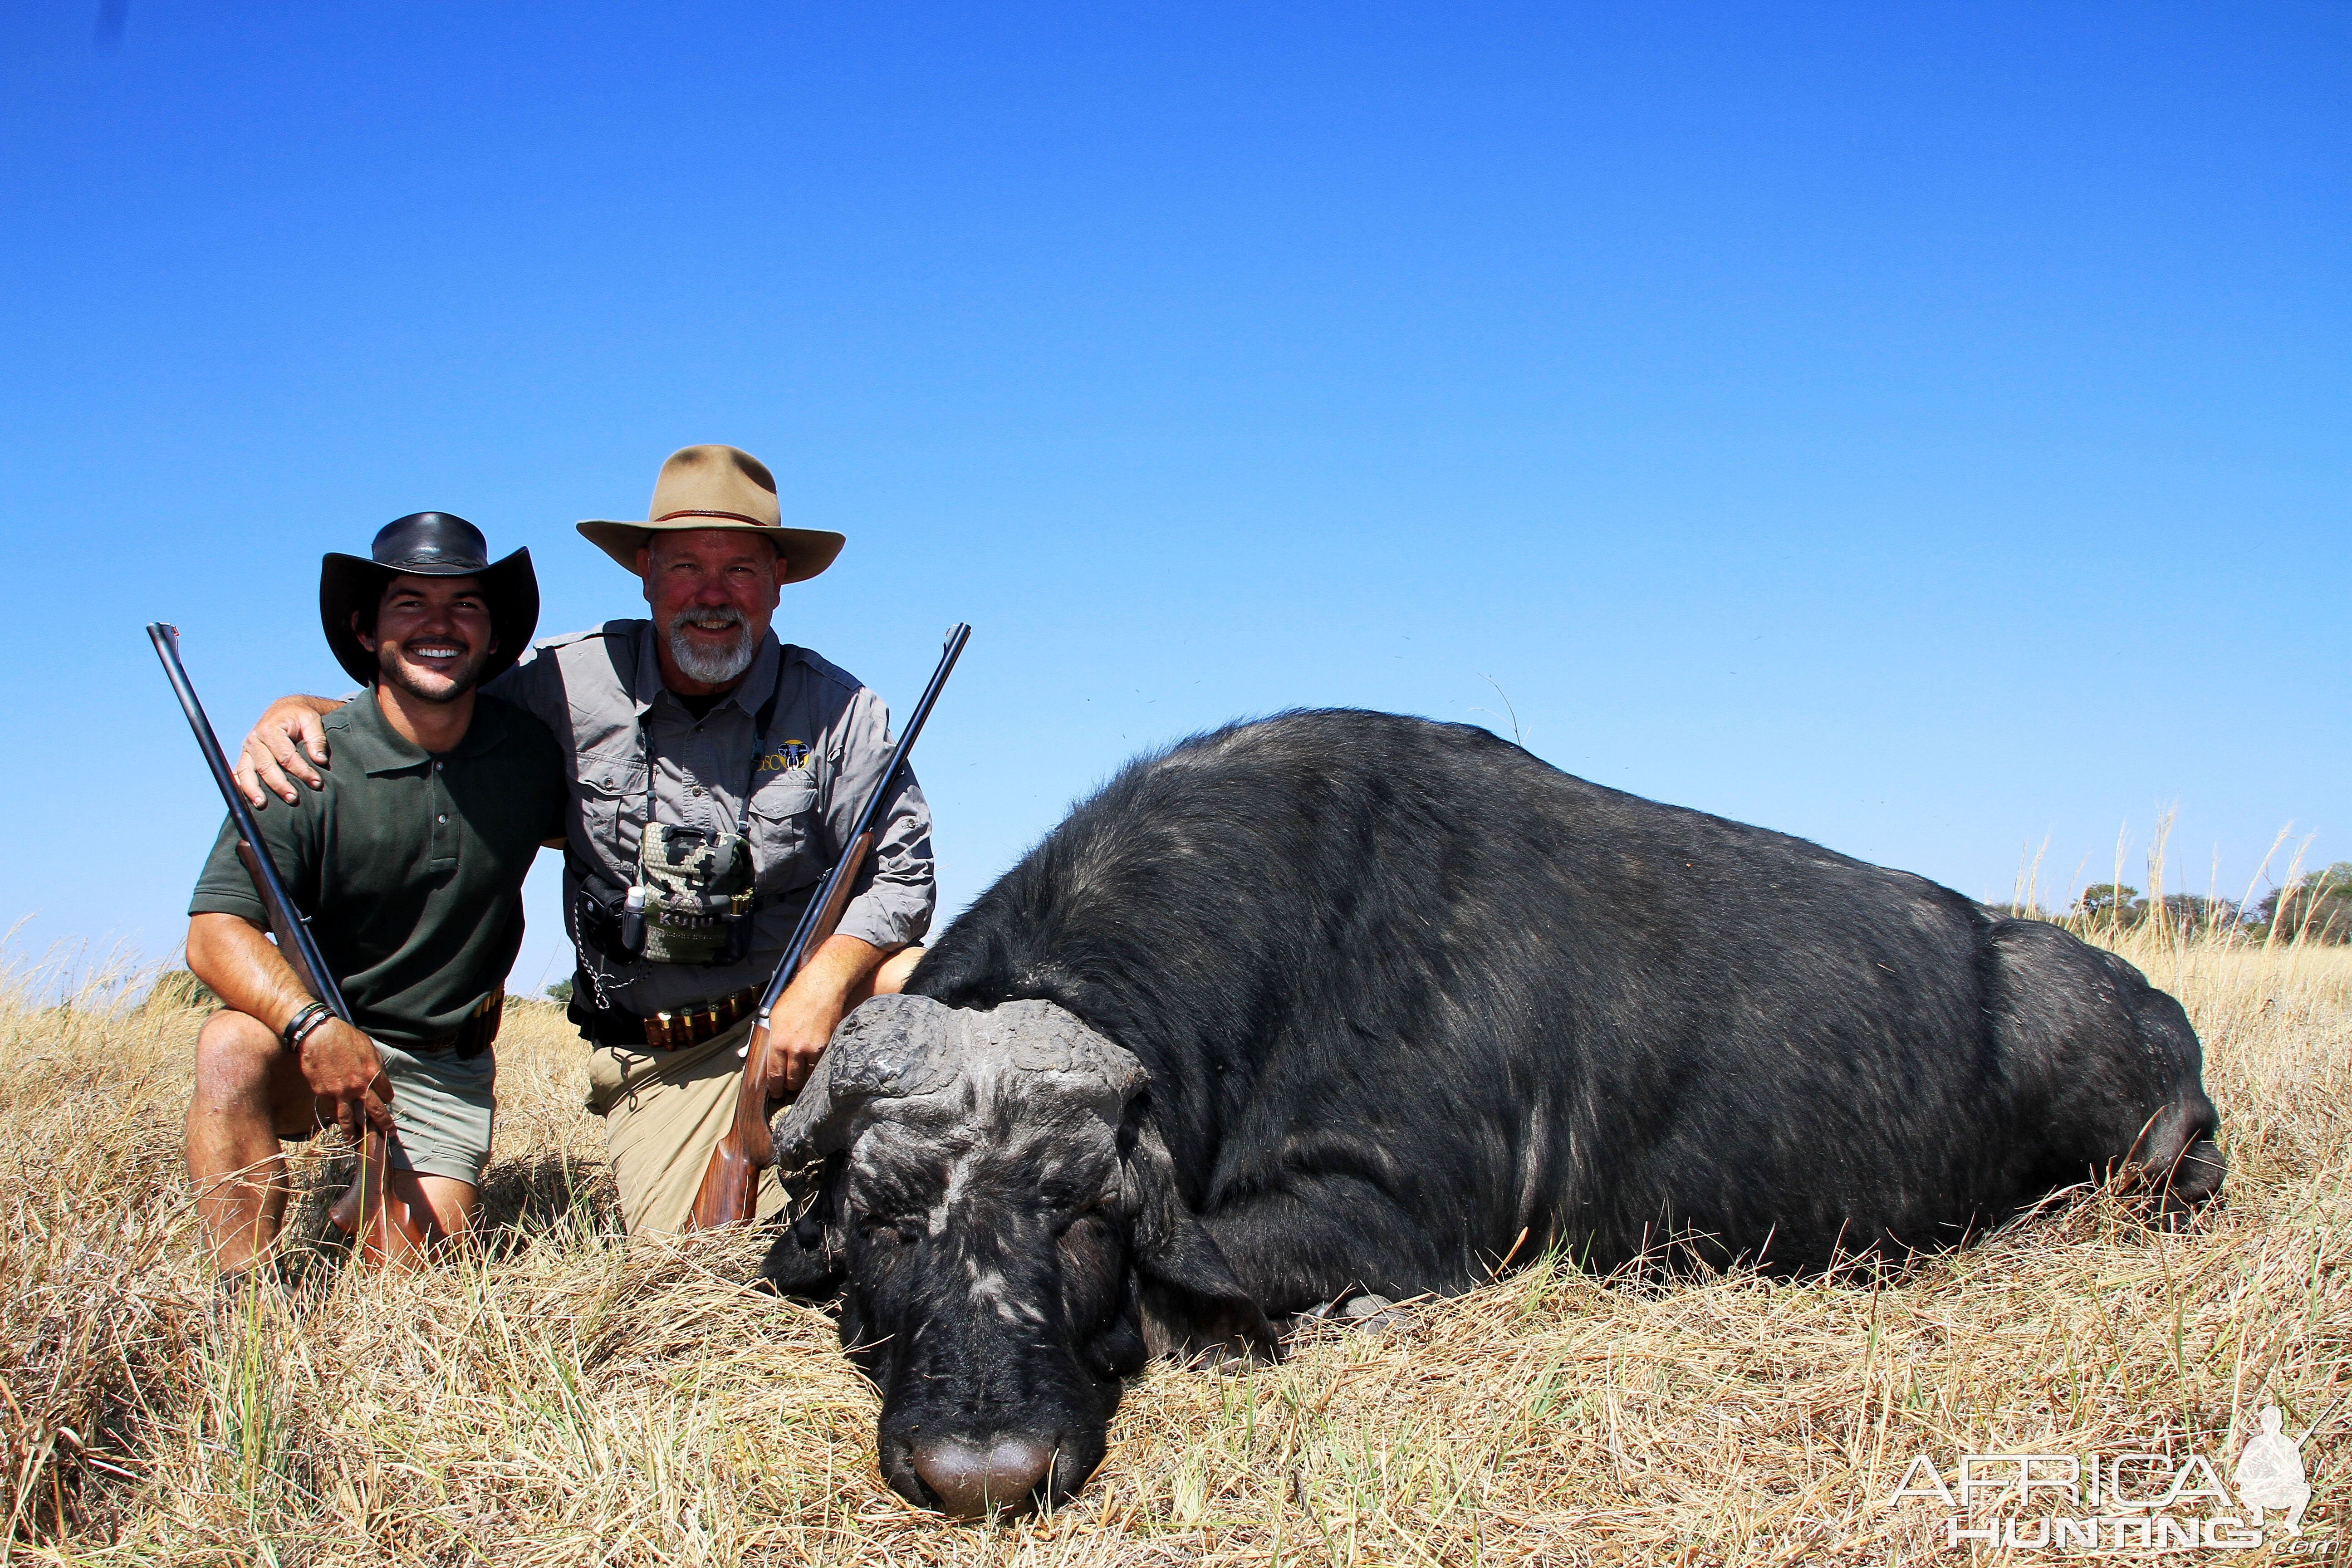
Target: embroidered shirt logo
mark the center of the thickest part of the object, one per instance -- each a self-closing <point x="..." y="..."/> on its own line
<point x="784" y="759"/>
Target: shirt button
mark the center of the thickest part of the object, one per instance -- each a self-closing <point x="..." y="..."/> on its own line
<point x="697" y="789"/>
<point x="443" y="817"/>
<point x="437" y="767"/>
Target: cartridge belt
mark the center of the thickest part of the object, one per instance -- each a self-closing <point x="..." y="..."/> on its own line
<point x="677" y="1029"/>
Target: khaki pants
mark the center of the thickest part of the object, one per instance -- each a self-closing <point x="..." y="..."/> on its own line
<point x="664" y="1114"/>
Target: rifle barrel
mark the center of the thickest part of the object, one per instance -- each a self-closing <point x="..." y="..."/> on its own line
<point x="287" y="918"/>
<point x="796" y="953"/>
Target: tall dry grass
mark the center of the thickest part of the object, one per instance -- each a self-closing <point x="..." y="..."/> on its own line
<point x="560" y="1397"/>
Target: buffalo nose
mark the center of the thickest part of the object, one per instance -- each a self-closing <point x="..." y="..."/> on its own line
<point x="972" y="1481"/>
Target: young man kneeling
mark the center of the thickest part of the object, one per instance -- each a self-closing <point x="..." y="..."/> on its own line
<point x="409" y="861"/>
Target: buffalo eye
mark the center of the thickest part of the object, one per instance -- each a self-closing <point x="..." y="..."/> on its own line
<point x="889" y="1232"/>
<point x="1087" y="1236"/>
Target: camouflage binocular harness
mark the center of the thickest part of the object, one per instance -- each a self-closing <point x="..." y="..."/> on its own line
<point x="696" y="891"/>
<point x="694" y="899"/>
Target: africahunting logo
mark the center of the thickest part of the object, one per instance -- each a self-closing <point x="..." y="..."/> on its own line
<point x="2118" y="1503"/>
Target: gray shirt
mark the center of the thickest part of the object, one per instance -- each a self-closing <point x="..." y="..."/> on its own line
<point x="827" y="745"/>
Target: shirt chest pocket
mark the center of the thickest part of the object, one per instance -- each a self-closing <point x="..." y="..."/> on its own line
<point x="610" y="793"/>
<point x="786" y="839"/>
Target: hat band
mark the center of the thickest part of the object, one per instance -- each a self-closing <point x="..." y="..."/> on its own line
<point x="730" y="516"/>
<point x="453" y="564"/>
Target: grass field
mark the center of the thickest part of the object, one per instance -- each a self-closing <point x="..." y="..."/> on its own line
<point x="564" y="1398"/>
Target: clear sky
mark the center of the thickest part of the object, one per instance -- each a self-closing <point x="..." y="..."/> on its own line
<point x="1923" y="428"/>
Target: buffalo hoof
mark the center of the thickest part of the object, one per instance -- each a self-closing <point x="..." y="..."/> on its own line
<point x="972" y="1482"/>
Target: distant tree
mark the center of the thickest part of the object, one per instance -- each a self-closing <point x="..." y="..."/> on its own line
<point x="2193" y="916"/>
<point x="2318" y="906"/>
<point x="2110" y="903"/>
<point x="560" y="991"/>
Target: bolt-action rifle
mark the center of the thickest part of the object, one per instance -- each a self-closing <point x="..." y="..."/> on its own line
<point x="393" y="1228"/>
<point x="730" y="1182"/>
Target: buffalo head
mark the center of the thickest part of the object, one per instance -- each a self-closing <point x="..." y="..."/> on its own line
<point x="1002" y="1224"/>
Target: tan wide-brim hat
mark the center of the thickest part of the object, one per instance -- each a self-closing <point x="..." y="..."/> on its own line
<point x="718" y="486"/>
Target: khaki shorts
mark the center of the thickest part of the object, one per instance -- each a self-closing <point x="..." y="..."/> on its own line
<point x="441" y="1110"/>
<point x="664" y="1112"/>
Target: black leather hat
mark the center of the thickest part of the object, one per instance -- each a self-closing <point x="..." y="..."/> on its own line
<point x="428" y="544"/>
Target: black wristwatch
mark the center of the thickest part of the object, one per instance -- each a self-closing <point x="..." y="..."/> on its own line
<point x="298" y="1028"/>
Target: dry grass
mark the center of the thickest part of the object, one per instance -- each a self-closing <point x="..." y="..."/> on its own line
<point x="565" y="1399"/>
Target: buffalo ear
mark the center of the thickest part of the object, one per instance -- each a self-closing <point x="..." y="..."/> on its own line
<point x="1194" y="1306"/>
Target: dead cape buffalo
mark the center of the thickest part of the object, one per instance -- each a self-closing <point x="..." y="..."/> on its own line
<point x="1343" y="1001"/>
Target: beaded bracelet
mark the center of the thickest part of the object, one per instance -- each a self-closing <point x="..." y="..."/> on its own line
<point x="298" y="1028"/>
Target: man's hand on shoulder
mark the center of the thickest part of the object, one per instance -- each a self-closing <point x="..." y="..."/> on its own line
<point x="348" y="1077"/>
<point x="282" y="748"/>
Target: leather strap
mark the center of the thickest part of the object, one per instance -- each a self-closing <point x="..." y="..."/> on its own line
<point x="299" y="1026"/>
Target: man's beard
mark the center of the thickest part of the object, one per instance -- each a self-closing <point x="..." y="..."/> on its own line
<point x="699" y="661"/>
<point x="391" y="672"/>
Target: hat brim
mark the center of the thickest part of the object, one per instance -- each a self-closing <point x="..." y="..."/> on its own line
<point x="348" y="583"/>
<point x="807" y="551"/>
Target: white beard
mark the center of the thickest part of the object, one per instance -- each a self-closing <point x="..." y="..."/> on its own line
<point x="712" y="667"/>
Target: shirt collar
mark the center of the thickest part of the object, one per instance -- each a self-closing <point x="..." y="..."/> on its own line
<point x="757" y="681"/>
<point x="371" y="739"/>
<point x="381" y="749"/>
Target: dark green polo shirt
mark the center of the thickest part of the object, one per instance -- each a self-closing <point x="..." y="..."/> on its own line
<point x="409" y="865"/>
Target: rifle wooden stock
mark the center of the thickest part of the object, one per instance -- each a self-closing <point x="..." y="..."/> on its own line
<point x="730" y="1189"/>
<point x="386" y="1229"/>
<point x="731" y="1182"/>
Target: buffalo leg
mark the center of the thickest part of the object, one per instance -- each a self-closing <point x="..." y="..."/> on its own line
<point x="1318" y="1236"/>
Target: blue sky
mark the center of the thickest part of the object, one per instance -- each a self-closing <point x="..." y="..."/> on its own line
<point x="1920" y="428"/>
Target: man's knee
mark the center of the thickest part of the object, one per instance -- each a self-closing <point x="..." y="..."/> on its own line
<point x="234" y="1056"/>
<point x="453" y="1201"/>
<point x="243" y="1069"/>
